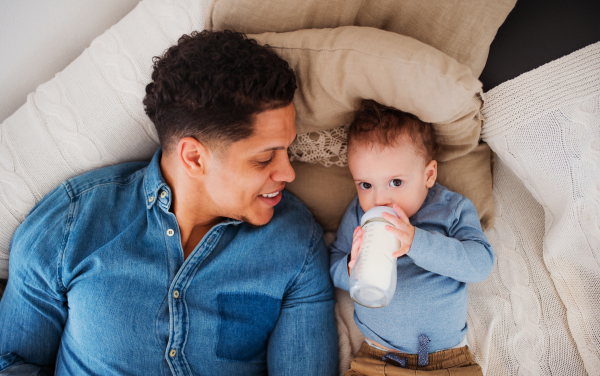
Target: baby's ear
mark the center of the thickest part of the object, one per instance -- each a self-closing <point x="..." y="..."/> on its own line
<point x="430" y="173"/>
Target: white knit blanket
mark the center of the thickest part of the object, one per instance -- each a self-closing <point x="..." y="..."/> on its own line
<point x="539" y="313"/>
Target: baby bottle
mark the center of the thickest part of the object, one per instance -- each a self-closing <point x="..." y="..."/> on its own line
<point x="373" y="277"/>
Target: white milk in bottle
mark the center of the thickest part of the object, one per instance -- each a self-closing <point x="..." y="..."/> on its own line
<point x="373" y="277"/>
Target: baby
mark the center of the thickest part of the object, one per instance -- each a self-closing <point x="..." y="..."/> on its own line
<point x="424" y="327"/>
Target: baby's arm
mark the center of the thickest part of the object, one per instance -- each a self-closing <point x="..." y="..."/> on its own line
<point x="464" y="255"/>
<point x="342" y="246"/>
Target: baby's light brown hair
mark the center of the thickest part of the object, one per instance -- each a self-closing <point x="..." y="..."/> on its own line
<point x="376" y="124"/>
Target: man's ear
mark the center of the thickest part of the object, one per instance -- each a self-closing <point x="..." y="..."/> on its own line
<point x="430" y="173"/>
<point x="193" y="155"/>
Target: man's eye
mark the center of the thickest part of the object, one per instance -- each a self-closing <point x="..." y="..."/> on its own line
<point x="365" y="185"/>
<point x="395" y="183"/>
<point x="265" y="163"/>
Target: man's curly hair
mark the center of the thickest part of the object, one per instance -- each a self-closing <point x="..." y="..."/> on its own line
<point x="210" y="86"/>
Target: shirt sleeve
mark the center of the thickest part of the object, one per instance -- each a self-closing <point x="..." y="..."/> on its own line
<point x="33" y="309"/>
<point x="304" y="340"/>
<point x="339" y="249"/>
<point x="464" y="255"/>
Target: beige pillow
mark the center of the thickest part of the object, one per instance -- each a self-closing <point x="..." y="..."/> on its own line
<point x="471" y="176"/>
<point x="337" y="68"/>
<point x="463" y="30"/>
<point x="326" y="191"/>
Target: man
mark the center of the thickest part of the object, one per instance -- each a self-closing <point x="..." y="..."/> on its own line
<point x="198" y="263"/>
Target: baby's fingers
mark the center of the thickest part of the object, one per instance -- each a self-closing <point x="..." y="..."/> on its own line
<point x="401" y="214"/>
<point x="356" y="242"/>
<point x="397" y="222"/>
<point x="404" y="248"/>
<point x="398" y="233"/>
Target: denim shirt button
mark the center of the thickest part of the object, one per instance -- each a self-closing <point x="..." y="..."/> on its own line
<point x="172" y="353"/>
<point x="176" y="294"/>
<point x="163" y="194"/>
<point x="151" y="198"/>
<point x="170" y="232"/>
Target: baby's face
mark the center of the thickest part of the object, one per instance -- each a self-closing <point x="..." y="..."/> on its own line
<point x="391" y="175"/>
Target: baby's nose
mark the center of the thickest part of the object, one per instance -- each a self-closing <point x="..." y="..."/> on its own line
<point x="383" y="200"/>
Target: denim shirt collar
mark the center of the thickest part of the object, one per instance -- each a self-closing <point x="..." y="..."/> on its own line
<point x="156" y="189"/>
<point x="155" y="185"/>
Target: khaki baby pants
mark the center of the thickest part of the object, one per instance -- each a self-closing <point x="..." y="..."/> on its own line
<point x="459" y="361"/>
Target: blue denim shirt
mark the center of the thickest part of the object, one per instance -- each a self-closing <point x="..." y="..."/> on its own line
<point x="98" y="286"/>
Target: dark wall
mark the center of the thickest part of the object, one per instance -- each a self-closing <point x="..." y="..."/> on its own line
<point x="537" y="32"/>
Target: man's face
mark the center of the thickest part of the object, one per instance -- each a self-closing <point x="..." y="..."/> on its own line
<point x="391" y="175"/>
<point x="246" y="179"/>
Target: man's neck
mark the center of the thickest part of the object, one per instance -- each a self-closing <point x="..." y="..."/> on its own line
<point x="187" y="206"/>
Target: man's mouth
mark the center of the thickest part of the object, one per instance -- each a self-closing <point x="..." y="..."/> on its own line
<point x="271" y="198"/>
<point x="270" y="195"/>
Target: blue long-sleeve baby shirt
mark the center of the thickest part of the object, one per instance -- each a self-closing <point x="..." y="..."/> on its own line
<point x="449" y="250"/>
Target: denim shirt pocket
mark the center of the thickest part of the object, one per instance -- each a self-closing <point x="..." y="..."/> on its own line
<point x="246" y="322"/>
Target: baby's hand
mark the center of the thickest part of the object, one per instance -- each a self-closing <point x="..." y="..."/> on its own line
<point x="356" y="242"/>
<point x="403" y="230"/>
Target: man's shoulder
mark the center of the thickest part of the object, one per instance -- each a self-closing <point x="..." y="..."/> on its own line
<point x="120" y="174"/>
<point x="58" y="202"/>
<point x="293" y="215"/>
<point x="290" y="205"/>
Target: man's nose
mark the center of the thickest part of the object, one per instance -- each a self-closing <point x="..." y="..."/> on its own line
<point x="284" y="171"/>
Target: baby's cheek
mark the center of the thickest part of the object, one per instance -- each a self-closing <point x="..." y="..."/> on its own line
<point x="410" y="211"/>
<point x="365" y="201"/>
<point x="410" y="207"/>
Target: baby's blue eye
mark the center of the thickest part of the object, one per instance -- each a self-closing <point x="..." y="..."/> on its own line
<point x="365" y="185"/>
<point x="395" y="183"/>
